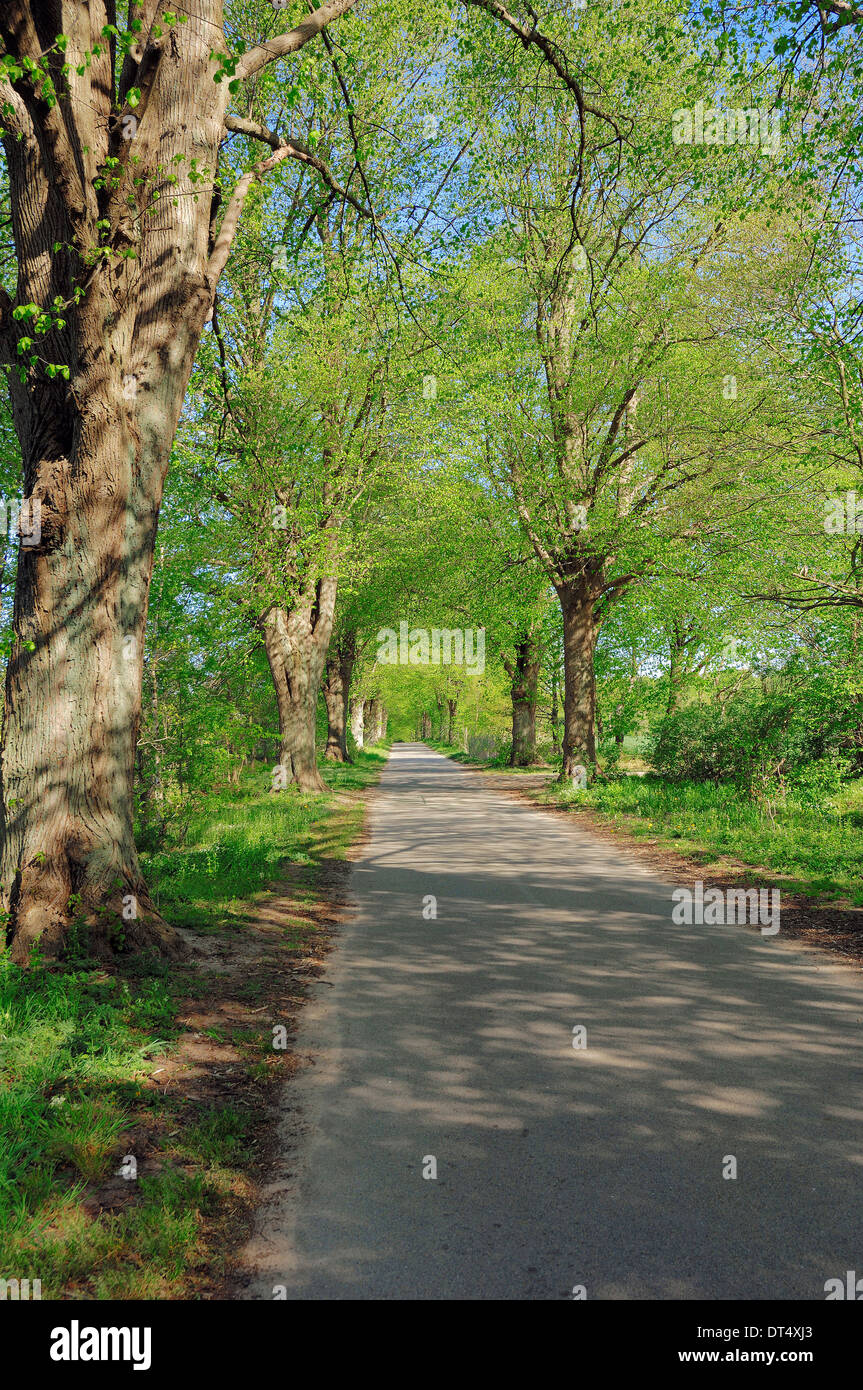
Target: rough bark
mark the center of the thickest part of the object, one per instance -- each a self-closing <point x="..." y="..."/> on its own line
<point x="524" y="680"/>
<point x="296" y="643"/>
<point x="580" y="631"/>
<point x="127" y="247"/>
<point x="357" y="721"/>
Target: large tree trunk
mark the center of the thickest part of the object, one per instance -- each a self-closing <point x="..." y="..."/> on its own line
<point x="524" y="679"/>
<point x="112" y="207"/>
<point x="296" y="643"/>
<point x="580" y="631"/>
<point x="95" y="450"/>
<point x="357" y="721"/>
<point x="97" y="463"/>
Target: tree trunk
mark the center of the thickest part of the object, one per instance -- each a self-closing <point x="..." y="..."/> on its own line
<point x="336" y="750"/>
<point x="452" y="707"/>
<point x="357" y="721"/>
<point x="580" y="631"/>
<point x="296" y="643"/>
<point x="95" y="450"/>
<point x="676" y="678"/>
<point x="132" y="280"/>
<point x="441" y="721"/>
<point x="374" y="720"/>
<point x="369" y="722"/>
<point x="524" y="677"/>
<point x="347" y="660"/>
<point x="73" y="682"/>
<point x="337" y="684"/>
<point x="555" y="717"/>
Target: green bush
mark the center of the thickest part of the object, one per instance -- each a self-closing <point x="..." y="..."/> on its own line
<point x="800" y="731"/>
<point x="735" y="742"/>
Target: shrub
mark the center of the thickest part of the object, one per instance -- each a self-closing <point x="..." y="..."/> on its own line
<point x="800" y="732"/>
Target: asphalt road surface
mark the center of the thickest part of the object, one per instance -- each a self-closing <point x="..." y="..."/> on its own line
<point x="559" y="1168"/>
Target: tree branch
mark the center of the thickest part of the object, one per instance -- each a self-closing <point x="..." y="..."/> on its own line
<point x="19" y="36"/>
<point x="230" y="221"/>
<point x="293" y="41"/>
<point x="555" y="58"/>
<point x="241" y="126"/>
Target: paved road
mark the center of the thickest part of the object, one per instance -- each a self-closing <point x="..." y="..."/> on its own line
<point x="558" y="1167"/>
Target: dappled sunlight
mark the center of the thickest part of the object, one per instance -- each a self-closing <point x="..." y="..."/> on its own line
<point x="453" y="1037"/>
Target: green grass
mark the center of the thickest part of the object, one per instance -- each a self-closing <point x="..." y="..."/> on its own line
<point x="816" y="849"/>
<point x="77" y="1043"/>
<point x="238" y="838"/>
<point x="72" y="1046"/>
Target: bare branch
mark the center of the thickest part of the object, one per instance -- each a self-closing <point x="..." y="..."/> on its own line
<point x="230" y="221"/>
<point x="555" y="58"/>
<point x="283" y="44"/>
<point x="293" y="148"/>
<point x="241" y="126"/>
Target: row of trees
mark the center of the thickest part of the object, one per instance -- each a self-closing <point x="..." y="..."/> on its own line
<point x="436" y="321"/>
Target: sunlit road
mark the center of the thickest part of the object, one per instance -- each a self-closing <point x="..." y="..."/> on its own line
<point x="452" y="1039"/>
